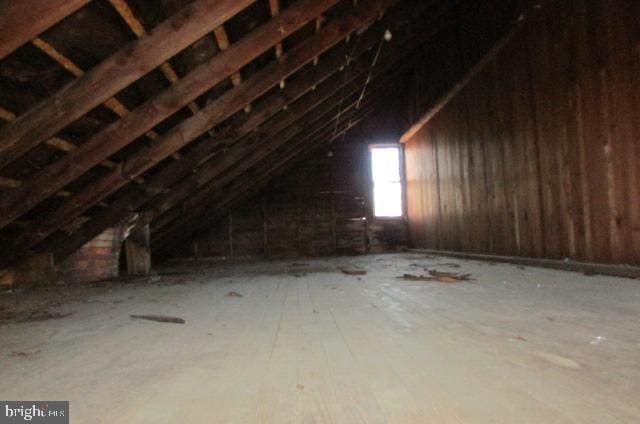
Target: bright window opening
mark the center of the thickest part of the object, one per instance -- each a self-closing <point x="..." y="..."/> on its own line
<point x="387" y="184"/>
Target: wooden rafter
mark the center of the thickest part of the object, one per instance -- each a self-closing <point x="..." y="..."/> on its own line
<point x="170" y="176"/>
<point x="271" y="106"/>
<point x="62" y="246"/>
<point x="55" y="142"/>
<point x="122" y="132"/>
<point x="250" y="151"/>
<point x="112" y="103"/>
<point x="223" y="44"/>
<point x="470" y="75"/>
<point x="114" y="74"/>
<point x="175" y="230"/>
<point x="274" y="6"/>
<point x="136" y="26"/>
<point x="224" y="171"/>
<point x="211" y="115"/>
<point x="22" y="21"/>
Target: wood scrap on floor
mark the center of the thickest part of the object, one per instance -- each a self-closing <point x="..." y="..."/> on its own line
<point x="354" y="271"/>
<point x="160" y="318"/>
<point x="439" y="276"/>
<point x="450" y="277"/>
<point x="44" y="315"/>
<point x="450" y="265"/>
<point x="234" y="294"/>
<point x="25" y="354"/>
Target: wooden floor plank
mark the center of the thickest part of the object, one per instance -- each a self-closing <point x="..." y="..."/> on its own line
<point x="308" y="344"/>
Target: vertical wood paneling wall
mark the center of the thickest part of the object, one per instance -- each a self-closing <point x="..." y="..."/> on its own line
<point x="539" y="155"/>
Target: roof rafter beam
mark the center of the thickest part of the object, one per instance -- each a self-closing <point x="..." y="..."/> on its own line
<point x="62" y="246"/>
<point x="22" y="21"/>
<point x="112" y="103"/>
<point x="114" y="74"/>
<point x="122" y="132"/>
<point x="137" y="27"/>
<point x="274" y="6"/>
<point x="252" y="182"/>
<point x="55" y="142"/>
<point x="267" y="108"/>
<point x="212" y="114"/>
<point x="222" y="172"/>
<point x="209" y="177"/>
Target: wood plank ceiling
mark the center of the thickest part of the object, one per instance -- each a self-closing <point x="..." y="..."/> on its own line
<point x="179" y="109"/>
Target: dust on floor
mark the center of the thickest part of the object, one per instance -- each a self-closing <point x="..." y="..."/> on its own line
<point x="301" y="341"/>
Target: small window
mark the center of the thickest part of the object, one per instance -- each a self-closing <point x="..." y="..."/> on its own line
<point x="387" y="184"/>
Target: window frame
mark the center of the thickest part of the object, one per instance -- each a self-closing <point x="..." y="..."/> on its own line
<point x="403" y="192"/>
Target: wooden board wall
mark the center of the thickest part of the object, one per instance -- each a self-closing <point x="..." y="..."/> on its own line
<point x="539" y="155"/>
<point x="321" y="206"/>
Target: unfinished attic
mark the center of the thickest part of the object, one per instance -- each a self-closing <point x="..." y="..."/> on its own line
<point x="320" y="211"/>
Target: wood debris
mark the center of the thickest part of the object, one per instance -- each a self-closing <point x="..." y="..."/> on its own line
<point x="435" y="275"/>
<point x="25" y="354"/>
<point x="44" y="315"/>
<point x="234" y="294"/>
<point x="411" y="277"/>
<point x="449" y="277"/>
<point x="450" y="265"/>
<point x="354" y="271"/>
<point x="160" y="318"/>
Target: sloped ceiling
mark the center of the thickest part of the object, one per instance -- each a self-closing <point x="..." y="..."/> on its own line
<point x="110" y="109"/>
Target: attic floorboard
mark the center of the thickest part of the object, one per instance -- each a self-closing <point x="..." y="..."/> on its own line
<point x="306" y="343"/>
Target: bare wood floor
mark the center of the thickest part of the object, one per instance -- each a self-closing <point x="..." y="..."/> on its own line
<point x="307" y="344"/>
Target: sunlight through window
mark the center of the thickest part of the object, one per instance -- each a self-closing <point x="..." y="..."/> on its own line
<point x="387" y="184"/>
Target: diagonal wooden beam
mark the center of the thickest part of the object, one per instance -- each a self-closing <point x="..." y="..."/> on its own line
<point x="217" y="111"/>
<point x="64" y="245"/>
<point x="113" y="74"/>
<point x="250" y="183"/>
<point x="223" y="44"/>
<point x="224" y="171"/>
<point x="21" y="21"/>
<point x="297" y="118"/>
<point x="402" y="45"/>
<point x="227" y="170"/>
<point x="263" y="82"/>
<point x="122" y="132"/>
<point x="172" y="225"/>
<point x="274" y="7"/>
<point x="176" y="173"/>
<point x="136" y="26"/>
<point x="129" y="204"/>
<point x="497" y="48"/>
<point x="56" y="143"/>
<point x="112" y="103"/>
